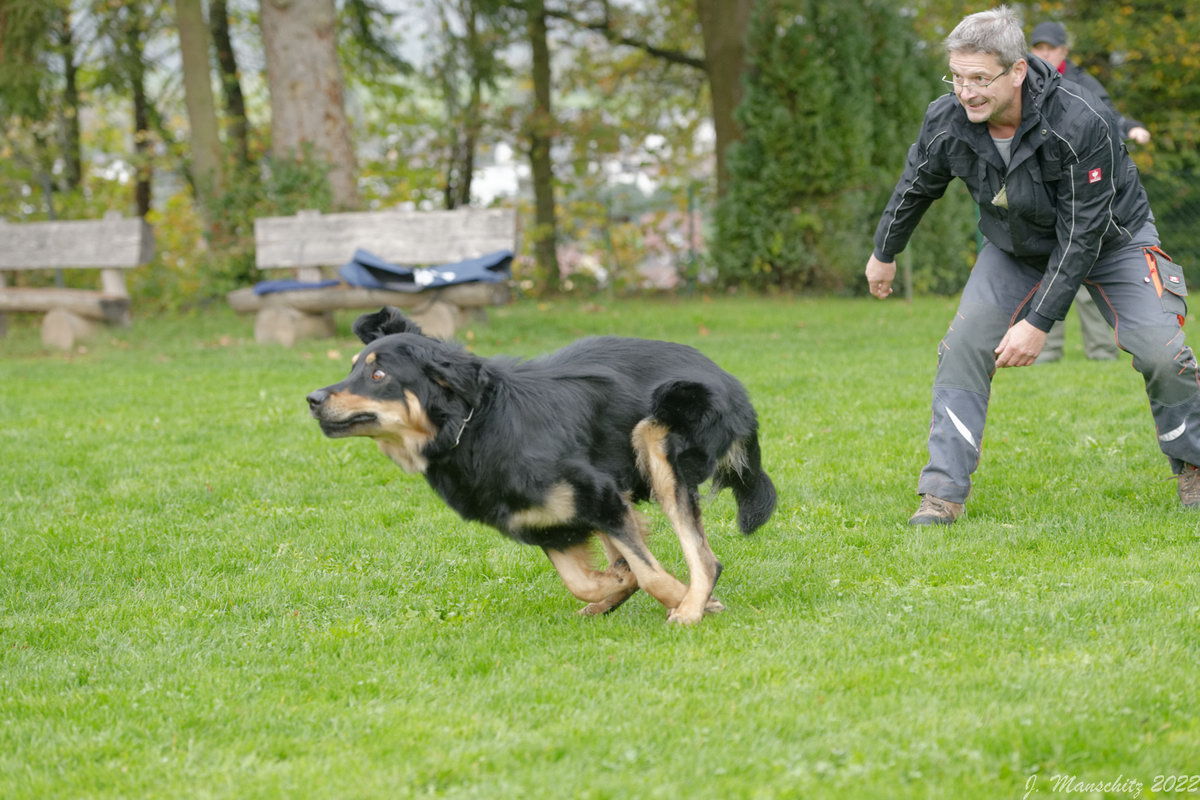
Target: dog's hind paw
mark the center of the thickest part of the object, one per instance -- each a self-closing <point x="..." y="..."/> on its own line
<point x="608" y="604"/>
<point x="714" y="606"/>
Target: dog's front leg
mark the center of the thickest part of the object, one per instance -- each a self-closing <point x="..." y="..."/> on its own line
<point x="603" y="591"/>
<point x="617" y="566"/>
<point x="629" y="541"/>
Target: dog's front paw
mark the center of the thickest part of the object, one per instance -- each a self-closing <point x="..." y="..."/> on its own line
<point x="680" y="617"/>
<point x="714" y="606"/>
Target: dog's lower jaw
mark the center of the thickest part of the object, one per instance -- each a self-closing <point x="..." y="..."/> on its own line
<point x="406" y="454"/>
<point x="356" y="425"/>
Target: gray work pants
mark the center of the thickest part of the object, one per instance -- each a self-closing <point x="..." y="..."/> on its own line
<point x="1146" y="309"/>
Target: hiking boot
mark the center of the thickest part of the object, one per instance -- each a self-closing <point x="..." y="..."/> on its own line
<point x="936" y="511"/>
<point x="1189" y="486"/>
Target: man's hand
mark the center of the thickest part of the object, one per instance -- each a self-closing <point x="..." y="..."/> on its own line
<point x="1020" y="346"/>
<point x="880" y="275"/>
<point x="1139" y="135"/>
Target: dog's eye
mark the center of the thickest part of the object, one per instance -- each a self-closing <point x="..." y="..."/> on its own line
<point x="378" y="375"/>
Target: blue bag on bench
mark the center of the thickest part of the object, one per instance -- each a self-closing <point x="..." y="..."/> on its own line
<point x="285" y="285"/>
<point x="372" y="272"/>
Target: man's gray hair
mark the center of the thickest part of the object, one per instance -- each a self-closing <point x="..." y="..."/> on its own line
<point x="997" y="32"/>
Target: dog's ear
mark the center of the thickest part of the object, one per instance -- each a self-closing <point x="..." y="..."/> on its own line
<point x="460" y="373"/>
<point x="383" y="322"/>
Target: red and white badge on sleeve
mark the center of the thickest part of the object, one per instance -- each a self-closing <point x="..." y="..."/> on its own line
<point x="1094" y="175"/>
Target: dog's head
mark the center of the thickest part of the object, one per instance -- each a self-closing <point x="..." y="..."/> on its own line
<point x="407" y="391"/>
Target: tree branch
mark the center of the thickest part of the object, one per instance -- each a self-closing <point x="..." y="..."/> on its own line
<point x="605" y="29"/>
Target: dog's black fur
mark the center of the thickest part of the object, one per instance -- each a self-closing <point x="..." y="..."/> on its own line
<point x="556" y="449"/>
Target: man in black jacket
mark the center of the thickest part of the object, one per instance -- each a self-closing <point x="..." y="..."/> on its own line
<point x="1061" y="205"/>
<point x="1049" y="41"/>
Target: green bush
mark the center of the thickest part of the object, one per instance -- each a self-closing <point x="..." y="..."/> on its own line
<point x="1169" y="172"/>
<point x="834" y="96"/>
<point x="192" y="267"/>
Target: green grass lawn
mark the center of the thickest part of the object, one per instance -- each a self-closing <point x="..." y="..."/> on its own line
<point x="200" y="596"/>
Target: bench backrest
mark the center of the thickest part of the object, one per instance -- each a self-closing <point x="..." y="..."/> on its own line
<point x="88" y="244"/>
<point x="312" y="239"/>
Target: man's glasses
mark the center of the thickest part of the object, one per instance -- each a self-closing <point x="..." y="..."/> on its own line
<point x="956" y="83"/>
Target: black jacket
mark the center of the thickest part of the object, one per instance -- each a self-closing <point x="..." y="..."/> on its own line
<point x="1071" y="187"/>
<point x="1073" y="73"/>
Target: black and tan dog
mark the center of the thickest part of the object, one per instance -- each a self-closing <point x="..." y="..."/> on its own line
<point x="556" y="450"/>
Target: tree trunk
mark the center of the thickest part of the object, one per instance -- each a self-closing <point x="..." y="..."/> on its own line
<point x="540" y="128"/>
<point x="43" y="173"/>
<point x="142" y="142"/>
<point x="464" y="119"/>
<point x="471" y="122"/>
<point x="201" y="109"/>
<point x="69" y="116"/>
<point x="466" y="165"/>
<point x="304" y="77"/>
<point x="231" y="85"/>
<point x="723" y="24"/>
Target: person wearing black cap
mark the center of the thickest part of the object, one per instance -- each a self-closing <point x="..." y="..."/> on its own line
<point x="1050" y="42"/>
<point x="1060" y="206"/>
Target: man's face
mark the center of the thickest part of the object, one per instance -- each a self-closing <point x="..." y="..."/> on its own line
<point x="995" y="102"/>
<point x="1055" y="55"/>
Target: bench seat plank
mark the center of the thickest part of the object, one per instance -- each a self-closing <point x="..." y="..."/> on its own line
<point x="110" y="308"/>
<point x="464" y="295"/>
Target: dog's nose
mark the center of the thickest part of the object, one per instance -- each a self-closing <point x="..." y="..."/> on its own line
<point x="316" y="399"/>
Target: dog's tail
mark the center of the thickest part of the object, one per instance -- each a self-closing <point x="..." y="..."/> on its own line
<point x="741" y="470"/>
<point x="716" y="449"/>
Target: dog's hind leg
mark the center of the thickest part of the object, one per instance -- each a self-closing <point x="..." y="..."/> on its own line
<point x="703" y="566"/>
<point x="603" y="591"/>
<point x="681" y="503"/>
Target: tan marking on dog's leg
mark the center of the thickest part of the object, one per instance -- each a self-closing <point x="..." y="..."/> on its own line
<point x="618" y="566"/>
<point x="703" y="567"/>
<point x="649" y="440"/>
<point x="660" y="584"/>
<point x="613" y="600"/>
<point x="575" y="567"/>
<point x="610" y="550"/>
<point x="557" y="508"/>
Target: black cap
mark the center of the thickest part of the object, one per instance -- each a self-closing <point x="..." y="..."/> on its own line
<point x="1052" y="33"/>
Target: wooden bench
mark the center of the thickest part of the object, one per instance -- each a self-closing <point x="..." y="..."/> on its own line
<point x="311" y="242"/>
<point x="110" y="245"/>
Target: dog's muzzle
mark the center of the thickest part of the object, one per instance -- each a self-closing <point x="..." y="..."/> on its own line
<point x="316" y="400"/>
<point x="338" y="427"/>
